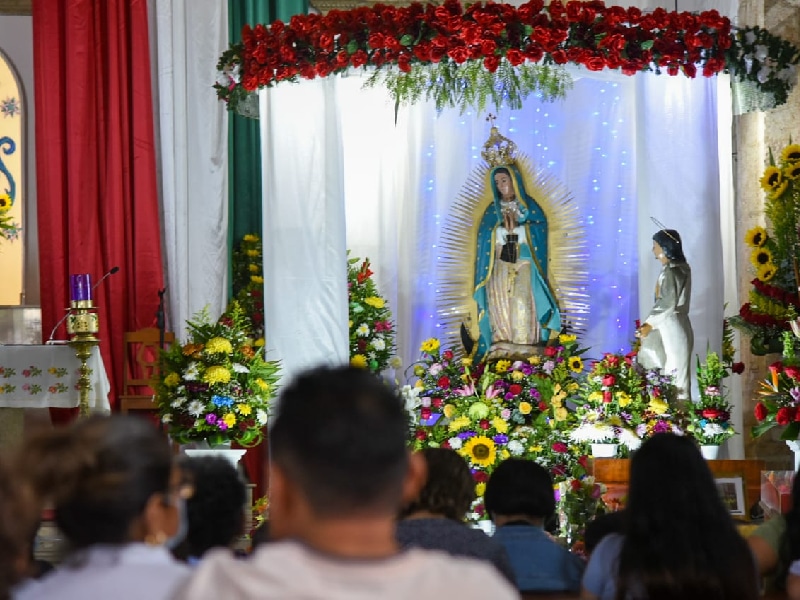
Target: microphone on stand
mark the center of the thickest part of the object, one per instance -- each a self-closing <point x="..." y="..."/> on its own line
<point x="104" y="277"/>
<point x="51" y="339"/>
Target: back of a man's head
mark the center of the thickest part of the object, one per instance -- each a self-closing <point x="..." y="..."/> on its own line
<point x="340" y="436"/>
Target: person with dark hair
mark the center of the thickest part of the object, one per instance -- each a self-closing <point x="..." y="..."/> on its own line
<point x="520" y="499"/>
<point x="435" y="519"/>
<point x="666" y="334"/>
<point x="215" y="512"/>
<point x="600" y="527"/>
<point x="340" y="472"/>
<point x="19" y="519"/>
<point x="117" y="499"/>
<point x="678" y="540"/>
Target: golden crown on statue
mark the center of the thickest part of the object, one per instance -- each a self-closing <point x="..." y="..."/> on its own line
<point x="498" y="150"/>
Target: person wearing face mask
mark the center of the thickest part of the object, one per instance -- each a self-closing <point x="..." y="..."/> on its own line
<point x="117" y="499"/>
<point x="666" y="334"/>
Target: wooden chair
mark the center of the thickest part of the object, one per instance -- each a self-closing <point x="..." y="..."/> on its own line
<point x="141" y="368"/>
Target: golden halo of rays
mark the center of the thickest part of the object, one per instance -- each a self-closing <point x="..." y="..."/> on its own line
<point x="566" y="250"/>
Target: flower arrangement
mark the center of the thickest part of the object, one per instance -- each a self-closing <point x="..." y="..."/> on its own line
<point x="780" y="395"/>
<point x="710" y="417"/>
<point x="463" y="57"/>
<point x="578" y="501"/>
<point x="8" y="229"/>
<point x="248" y="284"/>
<point x="773" y="301"/>
<point x="623" y="403"/>
<point x="371" y="328"/>
<point x="215" y="387"/>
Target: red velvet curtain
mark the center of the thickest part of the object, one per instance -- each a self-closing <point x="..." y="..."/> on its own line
<point x="95" y="164"/>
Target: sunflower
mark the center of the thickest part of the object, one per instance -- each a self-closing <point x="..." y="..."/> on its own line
<point x="5" y="202"/>
<point x="791" y="153"/>
<point x="766" y="272"/>
<point x="779" y="190"/>
<point x="429" y="346"/>
<point x="771" y="179"/>
<point x="760" y="257"/>
<point x="480" y="451"/>
<point x="756" y="237"/>
<point x="575" y="364"/>
<point x="792" y="171"/>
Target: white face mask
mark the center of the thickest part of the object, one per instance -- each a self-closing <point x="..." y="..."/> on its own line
<point x="183" y="525"/>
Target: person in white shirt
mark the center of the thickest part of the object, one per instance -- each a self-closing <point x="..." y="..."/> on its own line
<point x="340" y="472"/>
<point x="117" y="499"/>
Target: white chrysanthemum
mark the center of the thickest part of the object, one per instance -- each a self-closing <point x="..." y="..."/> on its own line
<point x="196" y="408"/>
<point x="396" y="362"/>
<point x="378" y="344"/>
<point x="410" y="396"/>
<point x="261" y="416"/>
<point x="362" y="330"/>
<point x="515" y="447"/>
<point x="192" y="372"/>
<point x="237" y="368"/>
<point x="713" y="429"/>
<point x="455" y="442"/>
<point x="167" y="418"/>
<point x="178" y="402"/>
<point x="593" y="432"/>
<point x="180" y="390"/>
<point x="629" y="439"/>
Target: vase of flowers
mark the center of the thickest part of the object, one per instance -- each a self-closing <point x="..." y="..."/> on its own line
<point x="371" y="327"/>
<point x="216" y="387"/>
<point x="710" y="417"/>
<point x="780" y="395"/>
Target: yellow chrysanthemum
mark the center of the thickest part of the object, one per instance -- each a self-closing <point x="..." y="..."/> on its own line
<point x="595" y="397"/>
<point x="219" y="345"/>
<point x="217" y="374"/>
<point x="502" y="366"/>
<point x="480" y="451"/>
<point x="760" y="257"/>
<point x="419" y="384"/>
<point x="500" y="425"/>
<point x="251" y="253"/>
<point x="623" y="399"/>
<point x="535" y="449"/>
<point x="766" y="272"/>
<point x="575" y="364"/>
<point x="5" y="203"/>
<point x="615" y="420"/>
<point x="567" y="338"/>
<point x="557" y="401"/>
<point x="480" y="489"/>
<point x="658" y="406"/>
<point x="560" y="414"/>
<point x="535" y="360"/>
<point x="256" y="279"/>
<point x="792" y="171"/>
<point x="449" y="410"/>
<point x="250" y="237"/>
<point x="517" y="375"/>
<point x="771" y="179"/>
<point x="359" y="361"/>
<point x="756" y="237"/>
<point x="779" y="190"/>
<point x="525" y="408"/>
<point x="244" y="409"/>
<point x="504" y="454"/>
<point x="791" y="153"/>
<point x="458" y="424"/>
<point x="430" y="345"/>
<point x="172" y="380"/>
<point x="375" y="302"/>
<point x="466" y="361"/>
<point x="572" y="387"/>
<point x="229" y="419"/>
<point x="259" y="343"/>
<point x="253" y="268"/>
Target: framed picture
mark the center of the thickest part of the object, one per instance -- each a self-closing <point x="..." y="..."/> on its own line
<point x="731" y="490"/>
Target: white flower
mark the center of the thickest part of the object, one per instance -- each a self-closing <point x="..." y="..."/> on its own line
<point x="261" y="416"/>
<point x="180" y="390"/>
<point x="196" y="408"/>
<point x="362" y="330"/>
<point x="426" y="402"/>
<point x="763" y="74"/>
<point x="167" y="418"/>
<point x="761" y="52"/>
<point x="712" y="429"/>
<point x="396" y="362"/>
<point x="410" y="395"/>
<point x="178" y="402"/>
<point x="223" y="79"/>
<point x="237" y="368"/>
<point x="379" y="344"/>
<point x="630" y="439"/>
<point x="455" y="442"/>
<point x="515" y="447"/>
<point x="505" y="414"/>
<point x="750" y="36"/>
<point x="192" y="372"/>
<point x="435" y="369"/>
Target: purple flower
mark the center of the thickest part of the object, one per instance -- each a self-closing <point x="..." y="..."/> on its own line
<point x="211" y="418"/>
<point x="795" y="394"/>
<point x="509" y="396"/>
<point x="222" y="425"/>
<point x="641" y="429"/>
<point x="661" y="427"/>
<point x="500" y="438"/>
<point x="465" y="435"/>
<point x="535" y="394"/>
<point x="548" y="366"/>
<point x="527" y="369"/>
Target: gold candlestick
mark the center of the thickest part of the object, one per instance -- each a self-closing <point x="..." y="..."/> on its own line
<point x="82" y="325"/>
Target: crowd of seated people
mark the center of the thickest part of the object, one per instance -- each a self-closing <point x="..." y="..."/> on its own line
<point x="141" y="525"/>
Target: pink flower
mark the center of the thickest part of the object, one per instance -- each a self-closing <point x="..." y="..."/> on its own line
<point x="468" y="390"/>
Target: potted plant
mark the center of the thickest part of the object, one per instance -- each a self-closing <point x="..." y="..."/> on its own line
<point x="710" y="417"/>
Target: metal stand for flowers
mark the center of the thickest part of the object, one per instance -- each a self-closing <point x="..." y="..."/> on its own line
<point x="223" y="451"/>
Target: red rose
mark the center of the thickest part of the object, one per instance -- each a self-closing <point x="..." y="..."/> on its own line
<point x="447" y="355"/>
<point x="491" y="63"/>
<point x="480" y="476"/>
<point x="690" y="70"/>
<point x="444" y="382"/>
<point x="784" y="416"/>
<point x="738" y="368"/>
<point x="484" y="424"/>
<point x="326" y="42"/>
<point x="515" y="389"/>
<point x="362" y="345"/>
<point x="583" y="461"/>
<point x="425" y="413"/>
<point x="375" y="40"/>
<point x="421" y="435"/>
<point x="559" y="447"/>
<point x="404" y="63"/>
<point x="760" y="412"/>
<point x="542" y="405"/>
<point x="612" y="360"/>
<point x="575" y="484"/>
<point x="559" y="57"/>
<point x="342" y="58"/>
<point x="446" y="444"/>
<point x="793" y="372"/>
<point x="607" y="397"/>
<point x="797" y="416"/>
<point x="550" y="351"/>
<point x="515" y="57"/>
<point x="458" y="54"/>
<point x="712" y="413"/>
<point x="437" y="403"/>
<point x="359" y="58"/>
<point x="488" y="47"/>
<point x="609" y="380"/>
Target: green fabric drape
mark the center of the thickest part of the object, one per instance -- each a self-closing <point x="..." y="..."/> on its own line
<point x="244" y="138"/>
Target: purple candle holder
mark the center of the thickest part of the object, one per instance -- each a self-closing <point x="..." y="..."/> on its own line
<point x="80" y="287"/>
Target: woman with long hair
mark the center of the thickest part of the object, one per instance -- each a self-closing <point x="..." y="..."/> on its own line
<point x="679" y="540"/>
<point x="118" y="501"/>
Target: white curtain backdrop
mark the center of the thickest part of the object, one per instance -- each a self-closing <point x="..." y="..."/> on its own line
<point x="305" y="272"/>
<point x="193" y="126"/>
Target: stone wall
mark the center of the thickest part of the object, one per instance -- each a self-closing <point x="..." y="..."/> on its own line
<point x="754" y="134"/>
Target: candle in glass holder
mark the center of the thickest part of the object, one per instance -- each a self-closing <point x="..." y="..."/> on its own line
<point x="80" y="287"/>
